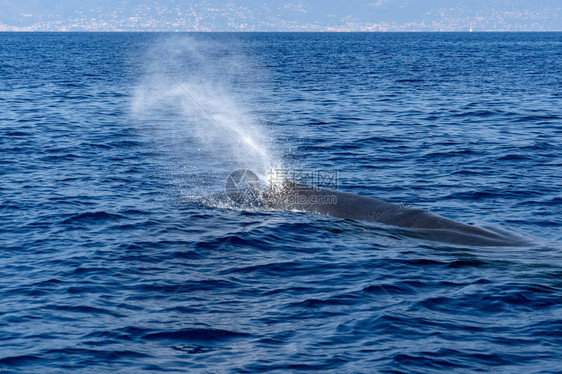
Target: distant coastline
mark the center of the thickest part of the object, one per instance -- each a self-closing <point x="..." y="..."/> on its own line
<point x="278" y="32"/>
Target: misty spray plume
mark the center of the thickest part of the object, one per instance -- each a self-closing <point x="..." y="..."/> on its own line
<point x="195" y="99"/>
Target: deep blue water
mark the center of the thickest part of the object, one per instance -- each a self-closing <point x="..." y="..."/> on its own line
<point x="114" y="258"/>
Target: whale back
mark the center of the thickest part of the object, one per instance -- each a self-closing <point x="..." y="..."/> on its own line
<point x="298" y="197"/>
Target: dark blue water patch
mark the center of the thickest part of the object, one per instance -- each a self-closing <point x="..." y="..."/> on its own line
<point x="15" y="361"/>
<point x="490" y="194"/>
<point x="92" y="217"/>
<point x="505" y="303"/>
<point x="440" y="360"/>
<point x="93" y="355"/>
<point x="194" y="335"/>
<point x="81" y="309"/>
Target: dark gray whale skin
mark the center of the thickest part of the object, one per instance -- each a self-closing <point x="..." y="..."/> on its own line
<point x="294" y="196"/>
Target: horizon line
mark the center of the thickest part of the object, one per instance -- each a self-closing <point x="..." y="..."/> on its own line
<point x="281" y="31"/>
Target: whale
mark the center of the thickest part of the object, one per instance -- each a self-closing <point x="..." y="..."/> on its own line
<point x="422" y="224"/>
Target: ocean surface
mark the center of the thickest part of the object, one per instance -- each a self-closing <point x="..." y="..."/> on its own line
<point x="120" y="252"/>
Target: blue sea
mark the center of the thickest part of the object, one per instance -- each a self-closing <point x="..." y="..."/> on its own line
<point x="119" y="251"/>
